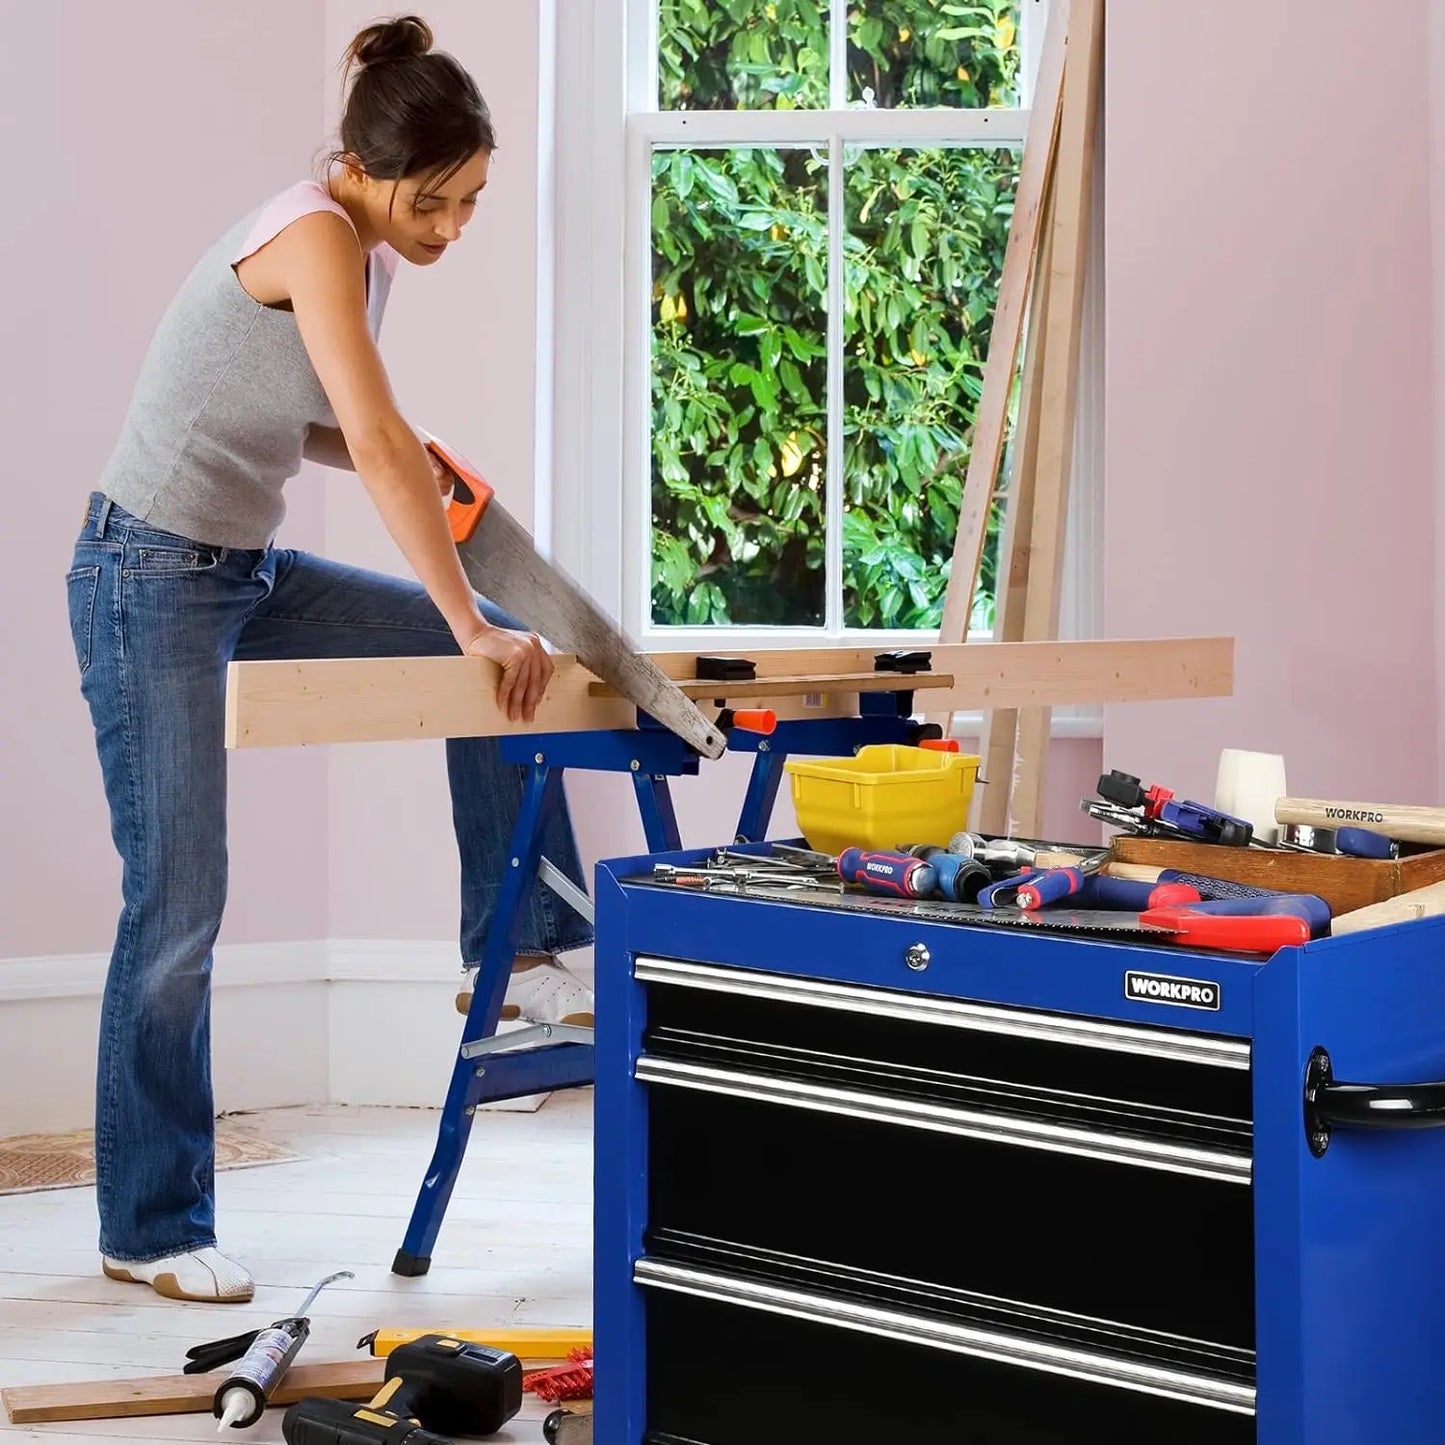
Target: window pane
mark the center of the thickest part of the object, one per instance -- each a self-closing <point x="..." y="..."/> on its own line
<point x="739" y="375"/>
<point x="742" y="54"/>
<point x="926" y="236"/>
<point x="933" y="53"/>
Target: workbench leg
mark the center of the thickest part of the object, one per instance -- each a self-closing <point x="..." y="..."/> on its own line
<point x="539" y="795"/>
<point x="762" y="793"/>
<point x="659" y="819"/>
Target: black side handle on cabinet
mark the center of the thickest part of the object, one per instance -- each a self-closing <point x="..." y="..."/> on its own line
<point x="1330" y="1104"/>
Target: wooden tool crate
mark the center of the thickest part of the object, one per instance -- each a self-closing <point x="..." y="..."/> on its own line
<point x="1344" y="883"/>
<point x="865" y="1178"/>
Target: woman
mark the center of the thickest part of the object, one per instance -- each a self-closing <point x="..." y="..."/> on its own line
<point x="267" y="355"/>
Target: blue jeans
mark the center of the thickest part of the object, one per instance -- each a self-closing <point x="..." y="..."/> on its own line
<point x="155" y="619"/>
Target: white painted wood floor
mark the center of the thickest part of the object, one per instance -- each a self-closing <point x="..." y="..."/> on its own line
<point x="515" y="1248"/>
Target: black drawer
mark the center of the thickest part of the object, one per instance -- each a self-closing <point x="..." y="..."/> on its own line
<point x="728" y="1374"/>
<point x="1162" y="1069"/>
<point x="1152" y="1249"/>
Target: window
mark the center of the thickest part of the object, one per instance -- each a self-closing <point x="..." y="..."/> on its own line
<point x="808" y="230"/>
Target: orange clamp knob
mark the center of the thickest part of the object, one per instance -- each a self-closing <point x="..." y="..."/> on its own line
<point x="940" y="745"/>
<point x="470" y="494"/>
<point x="756" y="720"/>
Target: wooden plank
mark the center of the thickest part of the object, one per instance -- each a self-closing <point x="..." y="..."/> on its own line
<point x="352" y="700"/>
<point x="997" y="744"/>
<point x="1426" y="902"/>
<point x="181" y="1394"/>
<point x="1020" y="258"/>
<point x="855" y="682"/>
<point x="192" y="1394"/>
<point x="1073" y="186"/>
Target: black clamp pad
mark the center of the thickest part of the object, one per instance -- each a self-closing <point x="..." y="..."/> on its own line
<point x="726" y="669"/>
<point x="904" y="661"/>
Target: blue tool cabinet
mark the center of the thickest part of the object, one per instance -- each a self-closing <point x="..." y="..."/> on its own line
<point x="865" y="1179"/>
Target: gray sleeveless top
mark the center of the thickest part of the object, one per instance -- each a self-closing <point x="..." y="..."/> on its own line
<point x="226" y="392"/>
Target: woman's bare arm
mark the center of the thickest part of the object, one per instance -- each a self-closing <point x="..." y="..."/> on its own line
<point x="321" y="261"/>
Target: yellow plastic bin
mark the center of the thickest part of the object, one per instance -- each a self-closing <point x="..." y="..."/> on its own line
<point x="887" y="796"/>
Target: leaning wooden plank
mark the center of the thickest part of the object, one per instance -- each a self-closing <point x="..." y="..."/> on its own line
<point x="1073" y="186"/>
<point x="997" y="745"/>
<point x="1020" y="258"/>
<point x="353" y="700"/>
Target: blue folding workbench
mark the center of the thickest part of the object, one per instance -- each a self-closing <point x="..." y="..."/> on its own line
<point x="542" y="1057"/>
<point x="864" y="1178"/>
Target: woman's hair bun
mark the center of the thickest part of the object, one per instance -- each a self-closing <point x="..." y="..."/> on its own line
<point x="400" y="38"/>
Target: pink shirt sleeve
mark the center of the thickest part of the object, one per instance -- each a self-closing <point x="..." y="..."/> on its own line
<point x="297" y="201"/>
<point x="278" y="213"/>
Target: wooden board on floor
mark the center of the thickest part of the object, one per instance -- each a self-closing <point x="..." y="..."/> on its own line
<point x="351" y="700"/>
<point x="192" y="1394"/>
<point x="181" y="1394"/>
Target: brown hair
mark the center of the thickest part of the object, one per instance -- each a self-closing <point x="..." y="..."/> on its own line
<point x="411" y="110"/>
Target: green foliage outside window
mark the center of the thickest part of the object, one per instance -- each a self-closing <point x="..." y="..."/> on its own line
<point x="739" y="380"/>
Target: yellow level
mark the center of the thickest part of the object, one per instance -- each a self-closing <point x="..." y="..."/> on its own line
<point x="525" y="1343"/>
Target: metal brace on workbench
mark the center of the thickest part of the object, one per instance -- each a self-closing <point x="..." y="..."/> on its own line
<point x="547" y="1057"/>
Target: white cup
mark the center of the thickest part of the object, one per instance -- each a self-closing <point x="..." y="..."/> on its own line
<point x="1248" y="786"/>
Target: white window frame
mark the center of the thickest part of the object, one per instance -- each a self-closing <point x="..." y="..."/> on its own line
<point x="604" y="123"/>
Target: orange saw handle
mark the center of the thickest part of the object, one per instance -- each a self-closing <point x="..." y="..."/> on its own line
<point x="470" y="495"/>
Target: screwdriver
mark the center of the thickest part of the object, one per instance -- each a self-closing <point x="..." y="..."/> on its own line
<point x="896" y="874"/>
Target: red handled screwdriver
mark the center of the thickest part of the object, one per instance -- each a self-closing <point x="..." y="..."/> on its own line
<point x="896" y="874"/>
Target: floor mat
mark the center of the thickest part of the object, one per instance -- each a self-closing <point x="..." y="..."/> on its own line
<point x="33" y="1162"/>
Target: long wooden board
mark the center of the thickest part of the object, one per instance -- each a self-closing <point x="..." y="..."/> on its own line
<point x="352" y="700"/>
<point x="1020" y="258"/>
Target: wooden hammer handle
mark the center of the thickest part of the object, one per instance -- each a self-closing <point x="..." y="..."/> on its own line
<point x="1394" y="820"/>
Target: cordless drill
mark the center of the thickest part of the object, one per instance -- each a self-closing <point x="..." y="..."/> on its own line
<point x="436" y="1387"/>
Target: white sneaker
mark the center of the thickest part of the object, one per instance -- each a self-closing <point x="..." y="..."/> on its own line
<point x="547" y="993"/>
<point x="200" y="1274"/>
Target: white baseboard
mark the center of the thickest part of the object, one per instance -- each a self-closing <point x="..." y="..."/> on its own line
<point x="354" y="1021"/>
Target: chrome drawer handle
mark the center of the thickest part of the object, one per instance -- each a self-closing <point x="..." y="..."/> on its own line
<point x="1170" y="1044"/>
<point x="1221" y="1165"/>
<point x="985" y="1344"/>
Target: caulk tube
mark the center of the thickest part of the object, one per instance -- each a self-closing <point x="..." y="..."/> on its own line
<point x="240" y="1399"/>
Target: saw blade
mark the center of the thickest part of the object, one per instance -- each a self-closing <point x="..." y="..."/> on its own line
<point x="930" y="910"/>
<point x="502" y="563"/>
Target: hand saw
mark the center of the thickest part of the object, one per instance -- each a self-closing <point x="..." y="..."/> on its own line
<point x="503" y="565"/>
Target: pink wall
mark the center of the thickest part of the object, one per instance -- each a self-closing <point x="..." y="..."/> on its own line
<point x="1435" y="68"/>
<point x="132" y="140"/>
<point x="1270" y="391"/>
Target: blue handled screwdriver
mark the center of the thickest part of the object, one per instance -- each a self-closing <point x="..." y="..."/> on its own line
<point x="897" y="874"/>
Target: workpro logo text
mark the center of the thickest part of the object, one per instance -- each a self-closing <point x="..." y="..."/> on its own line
<point x="1354" y="815"/>
<point x="1181" y="992"/>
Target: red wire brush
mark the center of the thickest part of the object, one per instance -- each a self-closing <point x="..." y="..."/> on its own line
<point x="562" y="1382"/>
